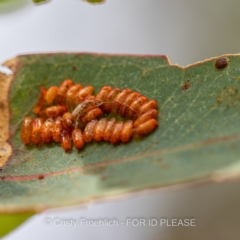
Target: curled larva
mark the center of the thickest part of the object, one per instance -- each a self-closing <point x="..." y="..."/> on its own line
<point x="26" y="130"/>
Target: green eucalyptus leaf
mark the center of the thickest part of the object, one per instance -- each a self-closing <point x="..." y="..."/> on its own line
<point x="11" y="221"/>
<point x="95" y="1"/>
<point x="198" y="137"/>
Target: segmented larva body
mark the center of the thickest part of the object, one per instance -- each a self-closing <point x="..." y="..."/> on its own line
<point x="151" y="113"/>
<point x="89" y="130"/>
<point x="66" y="141"/>
<point x="37" y="131"/>
<point x="71" y="96"/>
<point x="146" y="127"/>
<point x="68" y="121"/>
<point x="74" y="117"/>
<point x="26" y="130"/>
<point x="39" y="104"/>
<point x="50" y="96"/>
<point x="46" y="131"/>
<point x="77" y="138"/>
<point x="108" y="130"/>
<point x="107" y="105"/>
<point x="99" y="129"/>
<point x="62" y="90"/>
<point x="83" y="93"/>
<point x="55" y="111"/>
<point x="57" y="129"/>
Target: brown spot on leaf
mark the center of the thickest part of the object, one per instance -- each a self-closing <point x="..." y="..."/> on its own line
<point x="74" y="68"/>
<point x="186" y="85"/>
<point x="221" y="63"/>
<point x="40" y="177"/>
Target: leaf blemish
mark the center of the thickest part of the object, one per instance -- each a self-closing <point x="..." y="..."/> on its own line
<point x="221" y="63"/>
<point x="186" y="85"/>
<point x="40" y="177"/>
<point x="74" y="68"/>
<point x="229" y="97"/>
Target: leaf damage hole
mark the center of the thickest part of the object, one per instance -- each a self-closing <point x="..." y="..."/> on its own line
<point x="221" y="63"/>
<point x="5" y="70"/>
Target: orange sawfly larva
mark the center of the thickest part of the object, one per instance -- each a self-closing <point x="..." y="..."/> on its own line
<point x="71" y="112"/>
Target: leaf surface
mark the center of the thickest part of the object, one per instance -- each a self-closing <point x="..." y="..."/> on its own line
<point x="198" y="137"/>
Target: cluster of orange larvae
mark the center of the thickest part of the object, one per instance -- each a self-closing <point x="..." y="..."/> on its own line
<point x="71" y="112"/>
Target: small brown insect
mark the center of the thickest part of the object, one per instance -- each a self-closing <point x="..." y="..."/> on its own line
<point x="126" y="132"/>
<point x="37" y="131"/>
<point x="62" y="90"/>
<point x="116" y="133"/>
<point x="26" y="130"/>
<point x="57" y="129"/>
<point x="89" y="130"/>
<point x="55" y="111"/>
<point x="127" y="102"/>
<point x="186" y="85"/>
<point x="98" y="130"/>
<point x="83" y="93"/>
<point x="46" y="132"/>
<point x="50" y="95"/>
<point x="77" y="137"/>
<point x="71" y="96"/>
<point x="107" y="106"/>
<point x="92" y="114"/>
<point x="151" y="113"/>
<point x="66" y="140"/>
<point x="39" y="104"/>
<point x="146" y="127"/>
<point x="222" y="63"/>
<point x="118" y="100"/>
<point x="108" y="129"/>
<point x="146" y="106"/>
<point x="134" y="107"/>
<point x="68" y="121"/>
